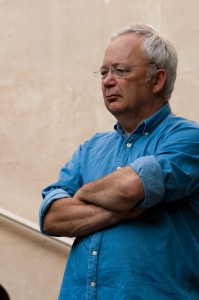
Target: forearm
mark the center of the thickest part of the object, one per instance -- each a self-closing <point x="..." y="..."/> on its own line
<point x="72" y="217"/>
<point x="121" y="190"/>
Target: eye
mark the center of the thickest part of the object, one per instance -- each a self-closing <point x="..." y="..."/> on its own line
<point x="104" y="71"/>
<point x="120" y="71"/>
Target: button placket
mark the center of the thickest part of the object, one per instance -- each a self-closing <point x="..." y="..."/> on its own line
<point x="91" y="291"/>
<point x="124" y="153"/>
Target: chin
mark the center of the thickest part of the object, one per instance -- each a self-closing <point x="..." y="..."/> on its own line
<point x="114" y="106"/>
<point x="115" y="111"/>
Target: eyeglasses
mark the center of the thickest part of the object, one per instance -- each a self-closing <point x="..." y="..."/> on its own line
<point x="118" y="71"/>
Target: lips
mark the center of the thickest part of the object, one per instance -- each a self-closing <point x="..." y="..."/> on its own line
<point x="112" y="97"/>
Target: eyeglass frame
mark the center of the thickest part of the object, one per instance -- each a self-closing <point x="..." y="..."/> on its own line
<point x="113" y="70"/>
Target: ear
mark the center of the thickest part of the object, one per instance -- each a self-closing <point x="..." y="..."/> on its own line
<point x="159" y="81"/>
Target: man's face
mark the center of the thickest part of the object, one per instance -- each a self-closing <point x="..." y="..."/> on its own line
<point x="130" y="96"/>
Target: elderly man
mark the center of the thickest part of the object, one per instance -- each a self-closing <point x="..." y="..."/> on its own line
<point x="131" y="196"/>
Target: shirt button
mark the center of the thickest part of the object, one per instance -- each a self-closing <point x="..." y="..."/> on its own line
<point x="93" y="283"/>
<point x="128" y="145"/>
<point x="146" y="133"/>
<point x="94" y="253"/>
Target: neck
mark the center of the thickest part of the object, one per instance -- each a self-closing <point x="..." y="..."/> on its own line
<point x="129" y="123"/>
<point x="130" y="120"/>
<point x="128" y="129"/>
<point x="127" y="132"/>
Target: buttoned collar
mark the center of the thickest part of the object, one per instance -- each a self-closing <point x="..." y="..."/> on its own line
<point x="147" y="126"/>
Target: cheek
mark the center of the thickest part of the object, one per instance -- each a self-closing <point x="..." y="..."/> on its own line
<point x="128" y="91"/>
<point x="103" y="94"/>
<point x="103" y="89"/>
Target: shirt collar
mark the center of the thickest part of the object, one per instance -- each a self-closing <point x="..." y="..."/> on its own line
<point x="149" y="124"/>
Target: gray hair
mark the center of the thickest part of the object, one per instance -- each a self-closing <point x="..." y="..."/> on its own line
<point x="158" y="50"/>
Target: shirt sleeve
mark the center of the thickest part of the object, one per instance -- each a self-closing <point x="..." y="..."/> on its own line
<point x="53" y="195"/>
<point x="152" y="179"/>
<point x="68" y="183"/>
<point x="172" y="172"/>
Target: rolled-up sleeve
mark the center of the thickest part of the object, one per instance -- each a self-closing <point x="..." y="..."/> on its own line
<point x="171" y="173"/>
<point x="68" y="183"/>
<point x="48" y="200"/>
<point x="152" y="179"/>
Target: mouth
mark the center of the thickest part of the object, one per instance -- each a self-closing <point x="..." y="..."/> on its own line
<point x="112" y="97"/>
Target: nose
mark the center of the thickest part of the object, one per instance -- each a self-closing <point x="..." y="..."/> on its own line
<point x="109" y="80"/>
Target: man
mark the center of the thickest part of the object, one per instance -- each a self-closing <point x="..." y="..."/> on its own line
<point x="131" y="196"/>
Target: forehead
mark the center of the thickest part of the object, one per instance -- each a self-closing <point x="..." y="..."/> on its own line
<point x="124" y="49"/>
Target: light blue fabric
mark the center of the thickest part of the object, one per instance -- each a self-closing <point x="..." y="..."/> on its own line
<point x="157" y="255"/>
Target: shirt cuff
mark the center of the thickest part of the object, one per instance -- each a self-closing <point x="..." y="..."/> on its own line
<point x="151" y="175"/>
<point x="48" y="200"/>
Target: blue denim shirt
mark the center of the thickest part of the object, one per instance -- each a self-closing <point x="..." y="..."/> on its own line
<point x="155" y="256"/>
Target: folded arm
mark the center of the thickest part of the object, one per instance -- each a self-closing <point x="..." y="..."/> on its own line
<point x="96" y="205"/>
<point x="121" y="190"/>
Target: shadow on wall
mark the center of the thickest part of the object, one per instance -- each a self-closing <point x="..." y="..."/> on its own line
<point x="3" y="294"/>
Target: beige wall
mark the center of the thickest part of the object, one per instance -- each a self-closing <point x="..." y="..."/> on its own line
<point x="49" y="100"/>
<point x="31" y="266"/>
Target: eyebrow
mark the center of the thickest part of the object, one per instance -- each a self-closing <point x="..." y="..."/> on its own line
<point x="114" y="65"/>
